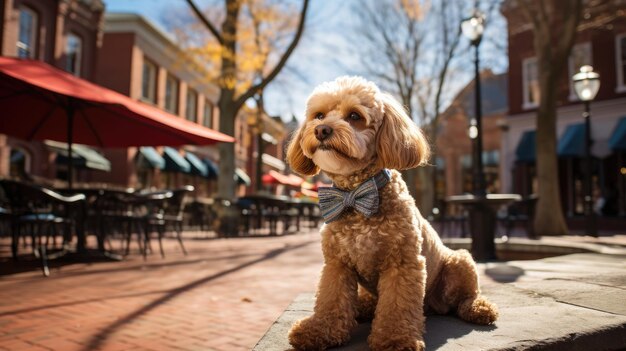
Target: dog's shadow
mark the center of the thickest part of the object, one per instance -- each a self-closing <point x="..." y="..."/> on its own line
<point x="440" y="330"/>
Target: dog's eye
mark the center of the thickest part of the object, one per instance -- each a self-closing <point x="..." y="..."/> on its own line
<point x="319" y="115"/>
<point x="354" y="116"/>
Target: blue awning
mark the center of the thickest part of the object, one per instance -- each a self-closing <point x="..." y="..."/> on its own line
<point x="241" y="177"/>
<point x="197" y="166"/>
<point x="149" y="157"/>
<point x="174" y="161"/>
<point x="572" y="142"/>
<point x="527" y="147"/>
<point x="212" y="168"/>
<point x="618" y="138"/>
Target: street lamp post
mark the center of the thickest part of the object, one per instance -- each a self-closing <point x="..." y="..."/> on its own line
<point x="473" y="28"/>
<point x="481" y="208"/>
<point x="586" y="85"/>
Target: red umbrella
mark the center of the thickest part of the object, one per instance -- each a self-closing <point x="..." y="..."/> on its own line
<point x="38" y="101"/>
<point x="274" y="177"/>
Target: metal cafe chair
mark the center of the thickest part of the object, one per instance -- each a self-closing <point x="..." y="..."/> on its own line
<point x="165" y="211"/>
<point x="118" y="212"/>
<point x="41" y="213"/>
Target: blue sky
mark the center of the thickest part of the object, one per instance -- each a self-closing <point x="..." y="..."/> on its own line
<point x="323" y="53"/>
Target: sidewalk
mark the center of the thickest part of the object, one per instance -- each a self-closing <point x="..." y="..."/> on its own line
<point x="572" y="302"/>
<point x="223" y="296"/>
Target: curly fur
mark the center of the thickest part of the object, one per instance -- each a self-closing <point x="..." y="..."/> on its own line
<point x="389" y="267"/>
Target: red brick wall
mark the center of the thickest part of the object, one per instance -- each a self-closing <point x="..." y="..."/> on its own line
<point x="115" y="62"/>
<point x="602" y="38"/>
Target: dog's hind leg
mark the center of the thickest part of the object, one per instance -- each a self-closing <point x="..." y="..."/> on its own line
<point x="458" y="289"/>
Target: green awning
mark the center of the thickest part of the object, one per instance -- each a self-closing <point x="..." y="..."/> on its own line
<point x="82" y="156"/>
<point x="572" y="142"/>
<point x="149" y="157"/>
<point x="241" y="177"/>
<point x="197" y="166"/>
<point x="618" y="138"/>
<point x="174" y="162"/>
<point x="527" y="146"/>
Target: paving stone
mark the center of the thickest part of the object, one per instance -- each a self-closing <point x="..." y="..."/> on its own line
<point x="539" y="314"/>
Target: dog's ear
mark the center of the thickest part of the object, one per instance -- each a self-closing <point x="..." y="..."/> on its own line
<point x="400" y="143"/>
<point x="297" y="160"/>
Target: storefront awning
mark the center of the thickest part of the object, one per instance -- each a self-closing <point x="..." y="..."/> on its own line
<point x="273" y="162"/>
<point x="174" y="161"/>
<point x="212" y="169"/>
<point x="618" y="138"/>
<point x="274" y="177"/>
<point x="527" y="146"/>
<point x="197" y="166"/>
<point x="149" y="157"/>
<point x="241" y="177"/>
<point x="572" y="142"/>
<point x="82" y="156"/>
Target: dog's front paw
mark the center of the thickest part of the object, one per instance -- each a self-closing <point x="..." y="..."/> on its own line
<point x="314" y="333"/>
<point x="395" y="343"/>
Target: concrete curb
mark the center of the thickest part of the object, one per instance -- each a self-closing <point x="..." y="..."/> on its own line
<point x="567" y="309"/>
<point x="548" y="246"/>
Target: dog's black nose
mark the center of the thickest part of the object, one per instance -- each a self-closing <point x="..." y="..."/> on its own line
<point x="322" y="132"/>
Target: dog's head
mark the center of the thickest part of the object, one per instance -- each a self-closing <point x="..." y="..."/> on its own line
<point x="351" y="125"/>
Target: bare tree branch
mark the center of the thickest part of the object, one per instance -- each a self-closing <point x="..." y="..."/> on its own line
<point x="259" y="86"/>
<point x="206" y="22"/>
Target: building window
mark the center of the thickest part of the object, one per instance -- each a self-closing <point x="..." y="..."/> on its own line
<point x="148" y="81"/>
<point x="580" y="56"/>
<point x="73" y="54"/>
<point x="620" y="61"/>
<point x="207" y="114"/>
<point x="27" y="36"/>
<point x="531" y="83"/>
<point x="171" y="94"/>
<point x="191" y="113"/>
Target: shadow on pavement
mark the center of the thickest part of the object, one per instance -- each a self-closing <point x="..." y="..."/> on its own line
<point x="96" y="341"/>
<point x="504" y="273"/>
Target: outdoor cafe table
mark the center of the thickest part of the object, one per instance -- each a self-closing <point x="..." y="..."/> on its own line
<point x="268" y="205"/>
<point x="482" y="217"/>
<point x="301" y="205"/>
<point x="93" y="210"/>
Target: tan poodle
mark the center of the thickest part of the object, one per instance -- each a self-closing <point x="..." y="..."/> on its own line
<point x="388" y="266"/>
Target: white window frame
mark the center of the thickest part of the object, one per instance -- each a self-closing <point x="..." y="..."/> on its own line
<point x="191" y="114"/>
<point x="34" y="35"/>
<point x="172" y="98"/>
<point x="572" y="70"/>
<point x="152" y="81"/>
<point x="79" y="54"/>
<point x="527" y="104"/>
<point x="619" y="64"/>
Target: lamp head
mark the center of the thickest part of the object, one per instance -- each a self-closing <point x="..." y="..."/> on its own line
<point x="473" y="27"/>
<point x="586" y="83"/>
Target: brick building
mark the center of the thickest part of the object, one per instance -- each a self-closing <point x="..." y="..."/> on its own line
<point x="454" y="148"/>
<point x="63" y="33"/>
<point x="600" y="42"/>
<point x="140" y="61"/>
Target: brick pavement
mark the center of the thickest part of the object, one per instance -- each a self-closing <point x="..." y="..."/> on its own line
<point x="223" y="296"/>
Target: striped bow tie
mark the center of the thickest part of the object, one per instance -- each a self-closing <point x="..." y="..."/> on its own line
<point x="364" y="198"/>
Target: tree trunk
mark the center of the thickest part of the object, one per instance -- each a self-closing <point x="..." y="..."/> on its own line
<point x="228" y="108"/>
<point x="426" y="194"/>
<point x="226" y="181"/>
<point x="549" y="219"/>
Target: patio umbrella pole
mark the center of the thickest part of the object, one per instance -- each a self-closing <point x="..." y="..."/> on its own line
<point x="70" y="134"/>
